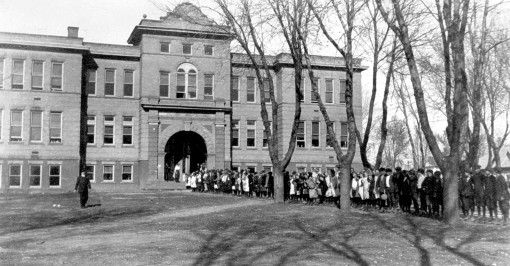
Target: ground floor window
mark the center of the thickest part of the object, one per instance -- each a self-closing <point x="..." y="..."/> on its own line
<point x="251" y="169"/>
<point x="301" y="169"/>
<point x="15" y="175"/>
<point x="54" y="175"/>
<point x="127" y="173"/>
<point x="108" y="172"/>
<point x="35" y="175"/>
<point x="90" y="172"/>
<point x="268" y="169"/>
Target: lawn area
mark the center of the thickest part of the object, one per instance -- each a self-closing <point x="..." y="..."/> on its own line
<point x="184" y="228"/>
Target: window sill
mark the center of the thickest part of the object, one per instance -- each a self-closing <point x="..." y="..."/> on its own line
<point x="56" y="143"/>
<point x="108" y="181"/>
<point x="36" y="143"/>
<point x="108" y="146"/>
<point x="128" y="146"/>
<point x="34" y="187"/>
<point x="54" y="187"/>
<point x="91" y="145"/>
<point x="14" y="187"/>
<point x="127" y="182"/>
<point x="16" y="142"/>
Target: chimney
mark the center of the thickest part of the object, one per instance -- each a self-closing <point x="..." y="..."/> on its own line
<point x="72" y="32"/>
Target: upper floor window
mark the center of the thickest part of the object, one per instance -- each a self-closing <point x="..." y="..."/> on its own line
<point x="344" y="134"/>
<point x="109" y="129"/>
<point x="91" y="82"/>
<point x="16" y="126"/>
<point x="1" y="116"/>
<point x="18" y="67"/>
<point x="267" y="93"/>
<point x="128" y="83"/>
<point x="250" y="89"/>
<point x="186" y="49"/>
<point x="127" y="130"/>
<point x="186" y="82"/>
<point x="164" y="47"/>
<point x="235" y="133"/>
<point x="1" y="73"/>
<point x="91" y="129"/>
<point x="57" y="70"/>
<point x="36" y="126"/>
<point x="315" y="86"/>
<point x="109" y="82"/>
<point x="329" y="91"/>
<point x="329" y="138"/>
<point x="208" y="87"/>
<point x="164" y="84"/>
<point x="234" y="89"/>
<point x="250" y="133"/>
<point x="209" y="50"/>
<point x="55" y="127"/>
<point x="316" y="135"/>
<point x="301" y="135"/>
<point x="302" y="90"/>
<point x="343" y="86"/>
<point x="37" y="75"/>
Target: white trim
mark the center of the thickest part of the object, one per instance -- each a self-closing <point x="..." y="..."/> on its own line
<point x="132" y="83"/>
<point x="10" y="126"/>
<point x="108" y="123"/>
<point x="32" y="76"/>
<point x="59" y="175"/>
<point x="30" y="175"/>
<point x="42" y="126"/>
<point x="113" y="173"/>
<point x="187" y="67"/>
<point x="61" y="126"/>
<point x="254" y="133"/>
<point x="61" y="76"/>
<point x="23" y="74"/>
<point x="114" y="81"/>
<point x="20" y="175"/>
<point x="132" y="125"/>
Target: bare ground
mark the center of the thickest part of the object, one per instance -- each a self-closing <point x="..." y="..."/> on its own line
<point x="183" y="228"/>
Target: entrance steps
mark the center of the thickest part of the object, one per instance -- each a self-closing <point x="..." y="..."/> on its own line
<point x="164" y="185"/>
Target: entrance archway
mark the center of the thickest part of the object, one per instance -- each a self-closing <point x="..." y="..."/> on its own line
<point x="186" y="149"/>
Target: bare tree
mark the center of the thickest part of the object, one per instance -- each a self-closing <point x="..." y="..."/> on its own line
<point x="398" y="141"/>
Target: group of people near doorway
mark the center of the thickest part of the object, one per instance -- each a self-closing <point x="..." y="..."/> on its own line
<point x="385" y="190"/>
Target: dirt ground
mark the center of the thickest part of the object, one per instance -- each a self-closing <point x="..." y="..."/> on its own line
<point x="184" y="228"/>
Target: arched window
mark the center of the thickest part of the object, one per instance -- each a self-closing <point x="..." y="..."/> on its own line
<point x="186" y="81"/>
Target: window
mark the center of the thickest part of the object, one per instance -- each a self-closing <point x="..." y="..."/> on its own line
<point x="186" y="48"/>
<point x="128" y="83"/>
<point x="36" y="126"/>
<point x="108" y="172"/>
<point x="235" y="133"/>
<point x="57" y="70"/>
<point x="251" y="169"/>
<point x="343" y="86"/>
<point x="267" y="94"/>
<point x="329" y="91"/>
<point x="127" y="173"/>
<point x="301" y="135"/>
<point x="208" y="50"/>
<point x="267" y="169"/>
<point x="234" y="89"/>
<point x="54" y="176"/>
<point x="316" y="134"/>
<point x="55" y="127"/>
<point x="15" y="175"/>
<point x="208" y="87"/>
<point x="109" y="82"/>
<point x="37" y="75"/>
<point x="2" y="73"/>
<point x="329" y="139"/>
<point x="250" y="89"/>
<point x="35" y="175"/>
<point x="302" y="90"/>
<point x="250" y="133"/>
<point x="164" y="83"/>
<point x="90" y="172"/>
<point x="91" y="82"/>
<point x="186" y="82"/>
<point x="18" y="68"/>
<point x="264" y="137"/>
<point x="1" y="120"/>
<point x="164" y="47"/>
<point x="109" y="129"/>
<point x="127" y="130"/>
<point x="344" y="134"/>
<point x="315" y="87"/>
<point x="301" y="169"/>
<point x="17" y="126"/>
<point x="91" y="129"/>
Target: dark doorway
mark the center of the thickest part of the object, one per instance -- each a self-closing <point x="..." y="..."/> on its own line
<point x="186" y="149"/>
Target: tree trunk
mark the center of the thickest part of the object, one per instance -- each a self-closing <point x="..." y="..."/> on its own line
<point x="279" y="187"/>
<point x="450" y="192"/>
<point x="345" y="188"/>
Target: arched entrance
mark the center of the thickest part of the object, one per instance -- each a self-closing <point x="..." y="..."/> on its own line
<point x="186" y="149"/>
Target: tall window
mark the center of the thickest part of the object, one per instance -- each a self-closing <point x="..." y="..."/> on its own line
<point x="91" y="82"/>
<point x="35" y="175"/>
<point x="234" y="89"/>
<point x="235" y="133"/>
<point x="267" y="94"/>
<point x="127" y="172"/>
<point x="343" y="86"/>
<point x="90" y="172"/>
<point x="2" y="73"/>
<point x="108" y="172"/>
<point x="17" y="126"/>
<point x="36" y="126"/>
<point x="37" y="75"/>
<point x="208" y="87"/>
<point x="91" y="129"/>
<point x="301" y="135"/>
<point x="109" y="82"/>
<point x="302" y="90"/>
<point x="18" y="67"/>
<point x="316" y="134"/>
<point x="208" y="50"/>
<point x="128" y="83"/>
<point x="250" y="133"/>
<point x="109" y="129"/>
<point x="55" y="127"/>
<point x="57" y="71"/>
<point x="250" y="89"/>
<point x="164" y="84"/>
<point x="329" y="139"/>
<point x="186" y="81"/>
<point x="127" y="130"/>
<point x="164" y="47"/>
<point x="54" y="176"/>
<point x="15" y="175"/>
<point x="264" y="137"/>
<point x="315" y="87"/>
<point x="186" y="49"/>
<point x="344" y="129"/>
<point x="329" y="91"/>
<point x="1" y="121"/>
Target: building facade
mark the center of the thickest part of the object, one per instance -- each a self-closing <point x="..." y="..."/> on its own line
<point x="176" y="95"/>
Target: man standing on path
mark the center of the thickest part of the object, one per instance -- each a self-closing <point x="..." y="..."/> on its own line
<point x="82" y="186"/>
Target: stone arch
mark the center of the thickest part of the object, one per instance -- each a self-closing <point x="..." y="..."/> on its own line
<point x="186" y="126"/>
